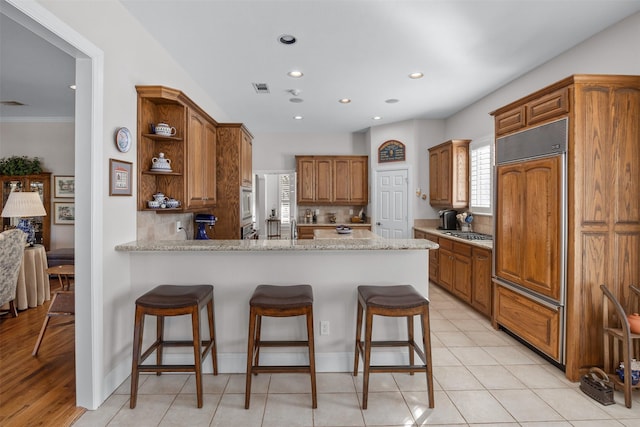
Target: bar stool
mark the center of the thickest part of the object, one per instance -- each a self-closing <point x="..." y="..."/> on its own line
<point x="392" y="301"/>
<point x="279" y="301"/>
<point x="173" y="300"/>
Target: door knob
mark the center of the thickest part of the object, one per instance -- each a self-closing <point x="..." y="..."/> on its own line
<point x="377" y="223"/>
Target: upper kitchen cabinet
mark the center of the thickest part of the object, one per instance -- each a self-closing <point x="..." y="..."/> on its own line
<point x="233" y="168"/>
<point x="536" y="110"/>
<point x="449" y="174"/>
<point x="335" y="180"/>
<point x="191" y="150"/>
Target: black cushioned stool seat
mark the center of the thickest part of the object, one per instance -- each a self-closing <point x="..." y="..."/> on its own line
<point x="173" y="300"/>
<point x="279" y="301"/>
<point x="392" y="301"/>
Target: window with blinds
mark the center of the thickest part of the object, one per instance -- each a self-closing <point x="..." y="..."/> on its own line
<point x="481" y="161"/>
<point x="284" y="190"/>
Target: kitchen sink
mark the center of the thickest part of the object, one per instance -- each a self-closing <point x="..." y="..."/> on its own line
<point x="469" y="235"/>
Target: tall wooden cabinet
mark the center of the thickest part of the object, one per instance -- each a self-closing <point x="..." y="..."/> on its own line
<point x="233" y="160"/>
<point x="192" y="151"/>
<point x="603" y="204"/>
<point x="336" y="180"/>
<point x="449" y="174"/>
<point x="40" y="183"/>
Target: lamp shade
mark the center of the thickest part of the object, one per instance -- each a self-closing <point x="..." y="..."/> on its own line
<point x="23" y="204"/>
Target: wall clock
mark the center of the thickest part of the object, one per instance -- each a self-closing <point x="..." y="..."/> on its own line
<point x="123" y="139"/>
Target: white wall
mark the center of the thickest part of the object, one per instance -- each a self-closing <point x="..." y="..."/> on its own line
<point x="53" y="143"/>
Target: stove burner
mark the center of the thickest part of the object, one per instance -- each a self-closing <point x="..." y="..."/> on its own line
<point x="469" y="235"/>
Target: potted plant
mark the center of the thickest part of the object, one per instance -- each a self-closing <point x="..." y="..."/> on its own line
<point x="20" y="165"/>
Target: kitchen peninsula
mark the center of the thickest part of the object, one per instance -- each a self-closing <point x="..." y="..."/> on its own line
<point x="334" y="267"/>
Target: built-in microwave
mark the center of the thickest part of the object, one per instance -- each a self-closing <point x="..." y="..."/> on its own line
<point x="246" y="205"/>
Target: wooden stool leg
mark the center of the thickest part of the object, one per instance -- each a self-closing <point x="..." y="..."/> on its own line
<point x="212" y="336"/>
<point x="367" y="358"/>
<point x="312" y="358"/>
<point x="137" y="348"/>
<point x="410" y="341"/>
<point x="256" y="342"/>
<point x="250" y="349"/>
<point x="358" y="339"/>
<point x="159" y="340"/>
<point x="426" y="345"/>
<point x="197" y="352"/>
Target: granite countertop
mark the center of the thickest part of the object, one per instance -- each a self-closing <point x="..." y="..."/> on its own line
<point x="331" y="224"/>
<point x="333" y="234"/>
<point x="354" y="244"/>
<point x="487" y="244"/>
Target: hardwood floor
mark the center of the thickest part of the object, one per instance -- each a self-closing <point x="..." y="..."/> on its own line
<point x="37" y="391"/>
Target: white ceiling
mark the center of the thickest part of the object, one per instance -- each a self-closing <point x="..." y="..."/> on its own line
<point x="363" y="50"/>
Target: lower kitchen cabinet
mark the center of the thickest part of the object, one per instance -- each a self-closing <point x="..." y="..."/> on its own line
<point x="462" y="269"/>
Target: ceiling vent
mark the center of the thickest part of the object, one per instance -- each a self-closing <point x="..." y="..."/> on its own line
<point x="11" y="103"/>
<point x="261" y="87"/>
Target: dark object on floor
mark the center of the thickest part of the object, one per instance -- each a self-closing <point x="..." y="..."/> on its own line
<point x="596" y="385"/>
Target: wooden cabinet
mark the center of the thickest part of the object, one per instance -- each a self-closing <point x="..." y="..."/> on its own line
<point x="532" y="260"/>
<point x="449" y="174"/>
<point x="481" y="292"/>
<point x="536" y="323"/>
<point x="40" y="183"/>
<point x="455" y="268"/>
<point x="191" y="150"/>
<point x="462" y="269"/>
<point x="603" y="213"/>
<point x="201" y="162"/>
<point x="351" y="181"/>
<point x="306" y="231"/>
<point x="533" y="110"/>
<point x="336" y="180"/>
<point x="233" y="163"/>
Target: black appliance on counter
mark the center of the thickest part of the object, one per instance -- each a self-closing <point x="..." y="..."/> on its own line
<point x="448" y="219"/>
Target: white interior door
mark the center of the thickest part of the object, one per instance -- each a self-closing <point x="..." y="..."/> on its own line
<point x="392" y="205"/>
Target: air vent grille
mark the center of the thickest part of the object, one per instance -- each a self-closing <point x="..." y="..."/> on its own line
<point x="261" y="87"/>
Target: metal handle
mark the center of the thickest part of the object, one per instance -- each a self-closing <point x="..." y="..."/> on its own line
<point x="377" y="223"/>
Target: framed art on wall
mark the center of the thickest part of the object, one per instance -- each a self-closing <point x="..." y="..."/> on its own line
<point x="64" y="186"/>
<point x="64" y="213"/>
<point x="120" y="176"/>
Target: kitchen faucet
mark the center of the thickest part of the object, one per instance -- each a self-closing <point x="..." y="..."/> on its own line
<point x="293" y="235"/>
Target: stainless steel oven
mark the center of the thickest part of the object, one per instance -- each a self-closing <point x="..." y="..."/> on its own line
<point x="246" y="206"/>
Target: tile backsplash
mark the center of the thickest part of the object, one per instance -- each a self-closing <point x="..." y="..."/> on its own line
<point x="343" y="214"/>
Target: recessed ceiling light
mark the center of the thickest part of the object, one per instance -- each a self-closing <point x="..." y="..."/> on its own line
<point x="416" y="75"/>
<point x="295" y="74"/>
<point x="287" y="39"/>
<point x="392" y="101"/>
<point x="376" y="118"/>
<point x="296" y="100"/>
<point x="344" y="101"/>
<point x="297" y="117"/>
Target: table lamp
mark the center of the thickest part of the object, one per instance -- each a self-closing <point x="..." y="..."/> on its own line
<point x="24" y="205"/>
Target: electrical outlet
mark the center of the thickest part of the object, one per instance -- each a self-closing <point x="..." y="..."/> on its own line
<point x="351" y="212"/>
<point x="324" y="327"/>
<point x="178" y="226"/>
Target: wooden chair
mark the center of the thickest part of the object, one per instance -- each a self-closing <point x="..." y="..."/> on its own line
<point x="62" y="304"/>
<point x="279" y="301"/>
<point x="168" y="301"/>
<point x="11" y="254"/>
<point x="617" y="334"/>
<point x="392" y="301"/>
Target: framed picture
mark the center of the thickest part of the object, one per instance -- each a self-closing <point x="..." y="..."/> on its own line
<point x="64" y="213"/>
<point x="64" y="186"/>
<point x="120" y="176"/>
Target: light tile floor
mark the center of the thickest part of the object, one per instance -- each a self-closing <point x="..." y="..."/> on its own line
<point x="481" y="377"/>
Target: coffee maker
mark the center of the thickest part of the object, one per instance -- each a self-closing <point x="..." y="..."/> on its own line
<point x="448" y="219"/>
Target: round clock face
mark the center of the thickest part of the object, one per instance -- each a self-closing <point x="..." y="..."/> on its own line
<point x="123" y="139"/>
